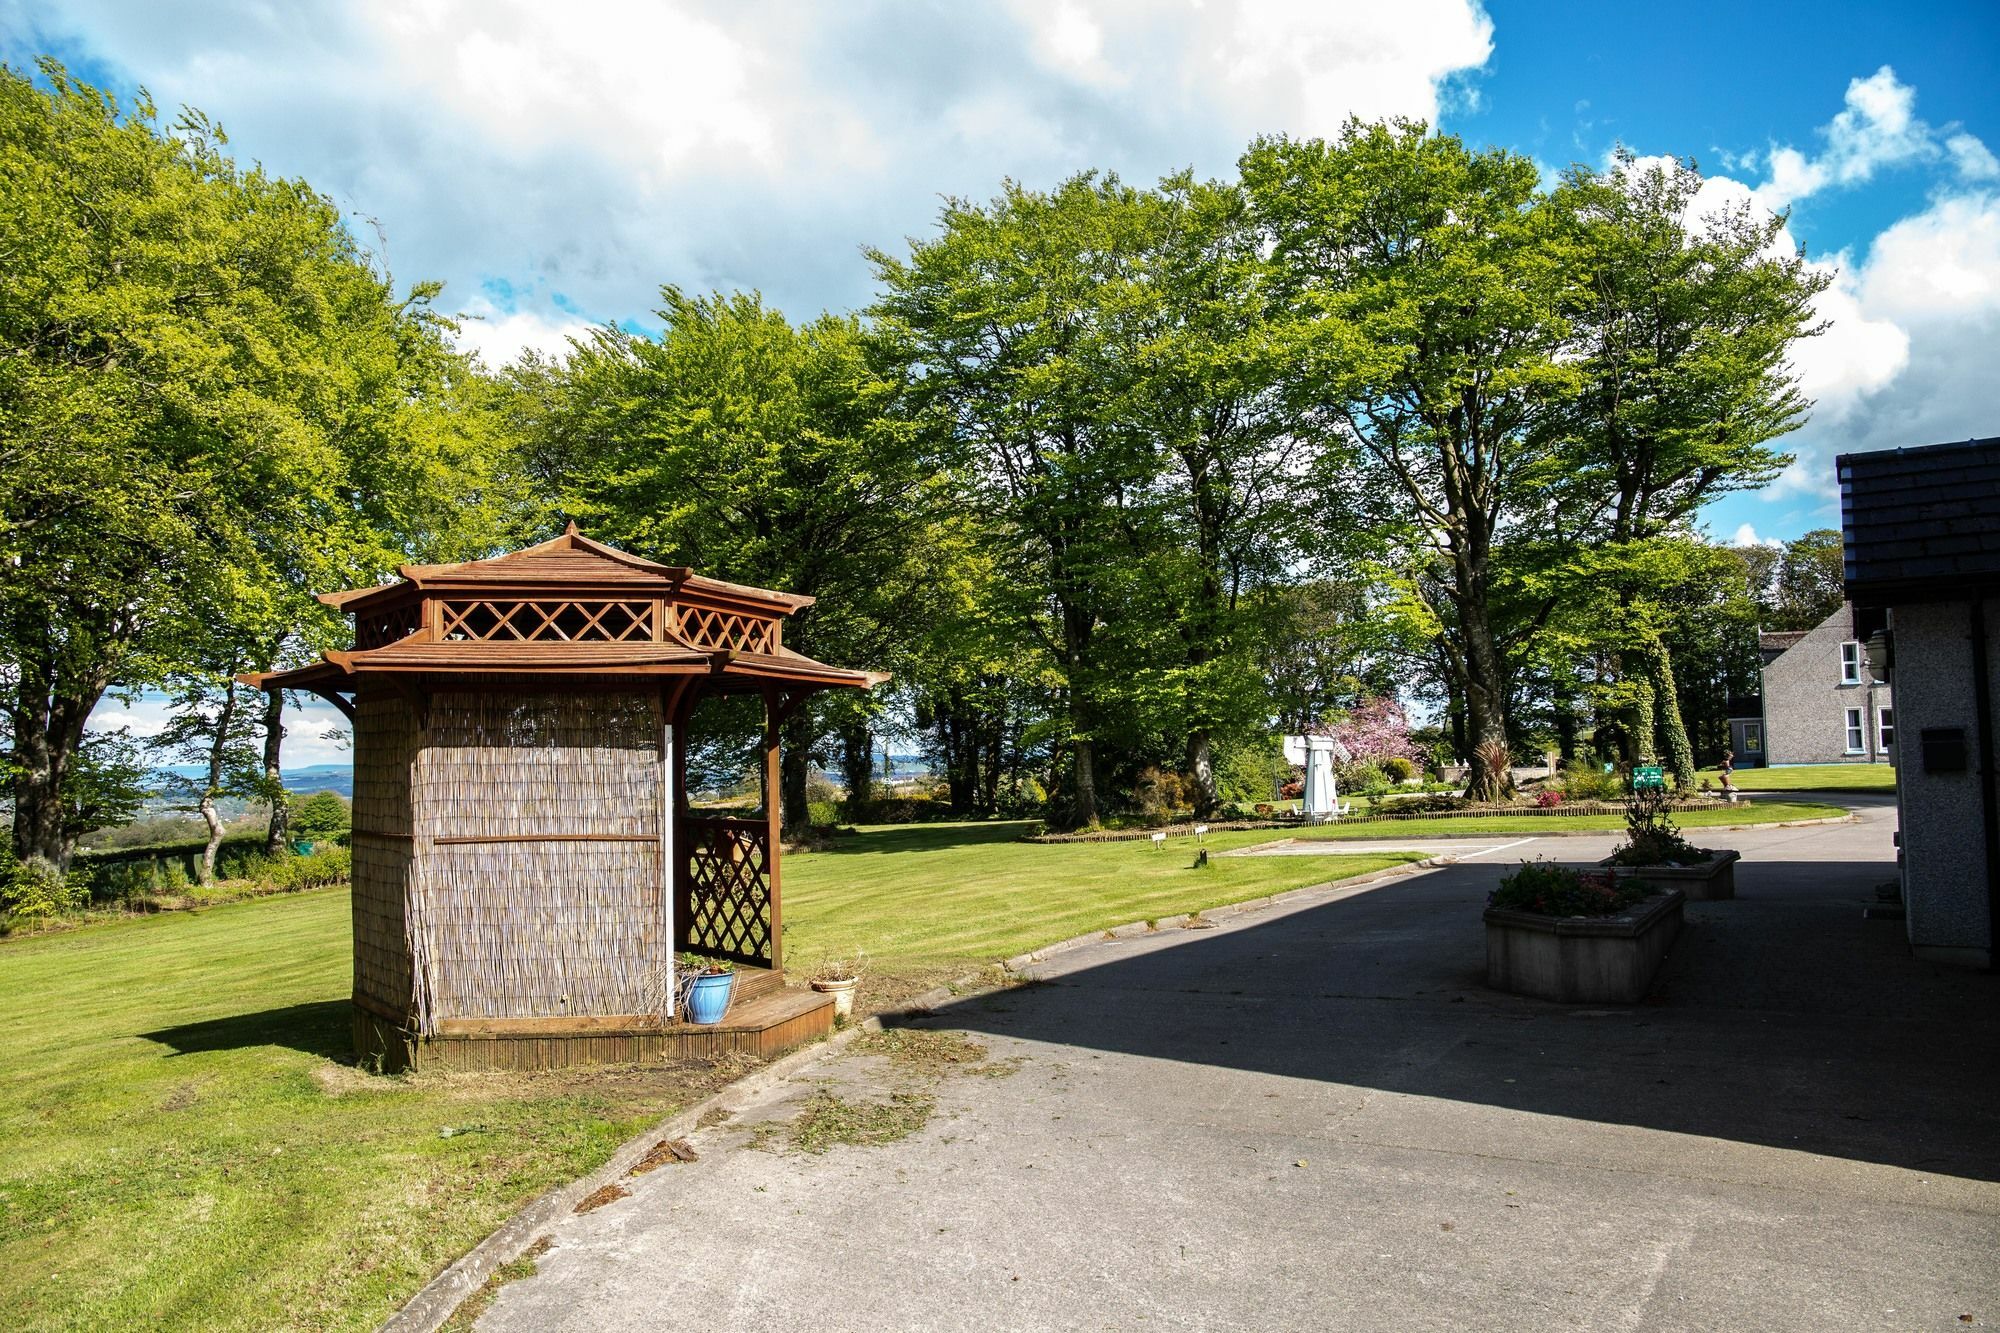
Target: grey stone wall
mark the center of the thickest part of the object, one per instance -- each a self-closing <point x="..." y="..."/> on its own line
<point x="1806" y="703"/>
<point x="1944" y="853"/>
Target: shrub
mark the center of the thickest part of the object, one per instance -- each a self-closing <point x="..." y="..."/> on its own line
<point x="1651" y="836"/>
<point x="1548" y="800"/>
<point x="1160" y="793"/>
<point x="894" y="810"/>
<point x="1292" y="790"/>
<point x="38" y="891"/>
<point x="1398" y="769"/>
<point x="1362" y="779"/>
<point x="1583" y="781"/>
<point x="1558" y="890"/>
<point x="322" y="816"/>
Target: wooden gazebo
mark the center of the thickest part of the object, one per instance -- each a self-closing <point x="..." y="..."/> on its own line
<point x="526" y="864"/>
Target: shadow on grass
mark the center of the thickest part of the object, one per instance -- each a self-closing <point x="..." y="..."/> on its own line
<point x="319" y="1028"/>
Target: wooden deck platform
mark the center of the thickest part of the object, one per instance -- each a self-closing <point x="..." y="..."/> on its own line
<point x="765" y="1019"/>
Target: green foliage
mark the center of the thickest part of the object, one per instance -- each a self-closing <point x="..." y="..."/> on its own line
<point x="320" y="816"/>
<point x="36" y="892"/>
<point x="210" y="402"/>
<point x="1584" y="781"/>
<point x="1249" y="769"/>
<point x="1651" y="836"/>
<point x="1805" y="587"/>
<point x="1558" y="890"/>
<point x="1398" y="769"/>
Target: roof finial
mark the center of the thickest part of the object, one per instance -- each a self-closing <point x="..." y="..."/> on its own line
<point x="570" y="531"/>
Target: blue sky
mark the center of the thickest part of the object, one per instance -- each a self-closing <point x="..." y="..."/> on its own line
<point x="555" y="164"/>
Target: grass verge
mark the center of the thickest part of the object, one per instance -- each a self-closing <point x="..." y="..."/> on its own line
<point x="1416" y="830"/>
<point x="1811" y="777"/>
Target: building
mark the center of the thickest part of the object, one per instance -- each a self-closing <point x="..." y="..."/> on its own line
<point x="1922" y="534"/>
<point x="526" y="861"/>
<point x="1822" y="703"/>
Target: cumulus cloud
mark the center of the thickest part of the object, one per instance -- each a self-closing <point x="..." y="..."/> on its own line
<point x="1746" y="535"/>
<point x="1877" y="129"/>
<point x="590" y="152"/>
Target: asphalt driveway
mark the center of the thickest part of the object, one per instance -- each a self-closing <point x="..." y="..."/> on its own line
<point x="1319" y="1118"/>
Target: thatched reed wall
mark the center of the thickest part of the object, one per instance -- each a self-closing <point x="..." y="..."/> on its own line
<point x="385" y="746"/>
<point x="537" y="888"/>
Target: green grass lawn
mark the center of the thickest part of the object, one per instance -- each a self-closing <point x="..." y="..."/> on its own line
<point x="1757" y="812"/>
<point x="1812" y="777"/>
<point x="188" y="1146"/>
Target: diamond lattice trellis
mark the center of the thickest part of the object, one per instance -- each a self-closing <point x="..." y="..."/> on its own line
<point x="727" y="911"/>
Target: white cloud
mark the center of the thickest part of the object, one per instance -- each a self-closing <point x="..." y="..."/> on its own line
<point x="593" y="151"/>
<point x="1746" y="535"/>
<point x="499" y="336"/>
<point x="1878" y="128"/>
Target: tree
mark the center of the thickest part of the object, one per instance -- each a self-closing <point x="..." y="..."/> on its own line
<point x="212" y="729"/>
<point x="1005" y="327"/>
<point x="321" y="816"/>
<point x="758" y="451"/>
<point x="1809" y="585"/>
<point x="1428" y="285"/>
<point x="1682" y="330"/>
<point x="206" y="394"/>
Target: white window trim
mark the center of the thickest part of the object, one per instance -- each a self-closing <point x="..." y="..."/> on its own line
<point x="1852" y="662"/>
<point x="1885" y="729"/>
<point x="1857" y="727"/>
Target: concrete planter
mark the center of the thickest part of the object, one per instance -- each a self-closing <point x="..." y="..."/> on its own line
<point x="1703" y="882"/>
<point x="1582" y="959"/>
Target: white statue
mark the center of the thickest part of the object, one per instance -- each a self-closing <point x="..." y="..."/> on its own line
<point x="1317" y="755"/>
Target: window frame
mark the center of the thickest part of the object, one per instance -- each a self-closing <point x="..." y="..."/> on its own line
<point x="1857" y="730"/>
<point x="1885" y="729"/>
<point x="1852" y="662"/>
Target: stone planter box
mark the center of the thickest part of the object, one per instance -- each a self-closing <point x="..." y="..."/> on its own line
<point x="1704" y="882"/>
<point x="1582" y="959"/>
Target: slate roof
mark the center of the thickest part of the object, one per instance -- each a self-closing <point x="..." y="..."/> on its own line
<point x="1921" y="523"/>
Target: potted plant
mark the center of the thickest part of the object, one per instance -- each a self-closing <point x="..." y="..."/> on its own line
<point x="1578" y="936"/>
<point x="706" y="987"/>
<point x="838" y="977"/>
<point x="1655" y="851"/>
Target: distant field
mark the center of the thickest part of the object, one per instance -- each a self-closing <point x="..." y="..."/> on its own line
<point x="1812" y="777"/>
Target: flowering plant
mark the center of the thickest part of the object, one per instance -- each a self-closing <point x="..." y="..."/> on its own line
<point x="1557" y="890"/>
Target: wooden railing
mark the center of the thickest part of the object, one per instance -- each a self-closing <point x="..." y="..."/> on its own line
<point x="725" y="889"/>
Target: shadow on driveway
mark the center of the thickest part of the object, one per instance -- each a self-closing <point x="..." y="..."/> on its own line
<point x="1783" y="1018"/>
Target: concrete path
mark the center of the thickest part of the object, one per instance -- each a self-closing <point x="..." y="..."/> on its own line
<point x="1320" y="1119"/>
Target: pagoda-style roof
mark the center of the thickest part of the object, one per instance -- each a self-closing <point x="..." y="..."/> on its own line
<point x="571" y="607"/>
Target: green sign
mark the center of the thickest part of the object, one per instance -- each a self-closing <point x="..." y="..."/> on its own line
<point x="1648" y="775"/>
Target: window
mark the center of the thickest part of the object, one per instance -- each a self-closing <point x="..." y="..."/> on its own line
<point x="1850" y="663"/>
<point x="1856" y="733"/>
<point x="1885" y="728"/>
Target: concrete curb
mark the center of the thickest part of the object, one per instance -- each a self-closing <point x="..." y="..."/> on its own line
<point x="1694" y="830"/>
<point x="440" y="1298"/>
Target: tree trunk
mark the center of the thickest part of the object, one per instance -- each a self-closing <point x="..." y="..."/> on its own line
<point x="857" y="764"/>
<point x="274" y="777"/>
<point x="1201" y="768"/>
<point x="48" y="728"/>
<point x="218" y="758"/>
<point x="1485" y="698"/>
<point x="1639" y="742"/>
<point x="794" y="766"/>
<point x="1083" y="769"/>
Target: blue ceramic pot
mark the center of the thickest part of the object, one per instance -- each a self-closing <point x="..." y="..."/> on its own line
<point x="708" y="997"/>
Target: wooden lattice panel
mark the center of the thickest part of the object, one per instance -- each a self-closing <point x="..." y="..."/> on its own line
<point x="545" y="622"/>
<point x="727" y="911"/>
<point x="385" y="627"/>
<point x="702" y="627"/>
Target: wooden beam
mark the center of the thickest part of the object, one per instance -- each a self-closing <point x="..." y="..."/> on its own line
<point x="545" y="837"/>
<point x="773" y="821"/>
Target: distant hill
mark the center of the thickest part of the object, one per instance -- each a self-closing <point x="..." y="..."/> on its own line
<point x="338" y="778"/>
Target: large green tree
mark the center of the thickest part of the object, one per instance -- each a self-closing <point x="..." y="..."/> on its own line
<point x="207" y="395"/>
<point x="1429" y="283"/>
<point x="760" y="451"/>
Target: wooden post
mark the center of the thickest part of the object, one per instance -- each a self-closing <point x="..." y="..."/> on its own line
<point x="773" y="824"/>
<point x="684" y="704"/>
